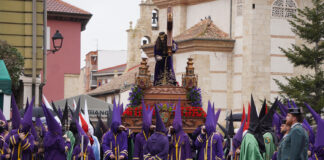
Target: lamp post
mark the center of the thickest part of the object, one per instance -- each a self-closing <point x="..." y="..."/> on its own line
<point x="57" y="40"/>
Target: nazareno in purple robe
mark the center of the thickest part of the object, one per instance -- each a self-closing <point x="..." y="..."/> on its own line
<point x="54" y="146"/>
<point x="88" y="150"/>
<point x="210" y="146"/>
<point x="114" y="144"/>
<point x="140" y="141"/>
<point x="20" y="148"/>
<point x="142" y="137"/>
<point x="181" y="147"/>
<point x="157" y="147"/>
<point x="3" y="149"/>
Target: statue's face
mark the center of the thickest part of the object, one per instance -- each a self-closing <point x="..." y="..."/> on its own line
<point x="162" y="37"/>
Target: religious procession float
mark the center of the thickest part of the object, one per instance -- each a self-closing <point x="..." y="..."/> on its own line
<point x="164" y="91"/>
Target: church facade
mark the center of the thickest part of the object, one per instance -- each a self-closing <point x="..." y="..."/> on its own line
<point x="234" y="43"/>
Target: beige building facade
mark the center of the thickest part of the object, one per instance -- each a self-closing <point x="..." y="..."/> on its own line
<point x="227" y="77"/>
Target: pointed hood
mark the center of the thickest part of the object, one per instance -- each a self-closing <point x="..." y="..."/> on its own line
<point x="266" y="121"/>
<point x="55" y="109"/>
<point x="283" y="109"/>
<point x="40" y="125"/>
<point x="121" y="109"/>
<point x="288" y="102"/>
<point x="254" y="119"/>
<point x="276" y="123"/>
<point x="310" y="131"/>
<point x="147" y="119"/>
<point x="65" y="116"/>
<point x="254" y="126"/>
<point x="116" y="119"/>
<point x="319" y="141"/>
<point x="60" y="114"/>
<point x="15" y="120"/>
<point x="217" y="114"/>
<point x="264" y="109"/>
<point x="109" y="117"/>
<point x="27" y="104"/>
<point x="27" y="122"/>
<point x="210" y="121"/>
<point x="177" y="121"/>
<point x="52" y="125"/>
<point x="159" y="123"/>
<point x="247" y="123"/>
<point x="75" y="116"/>
<point x="98" y="131"/>
<point x="243" y="115"/>
<point x="231" y="126"/>
<point x="237" y="139"/>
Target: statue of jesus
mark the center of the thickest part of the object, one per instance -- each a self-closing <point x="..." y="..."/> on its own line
<point x="164" y="73"/>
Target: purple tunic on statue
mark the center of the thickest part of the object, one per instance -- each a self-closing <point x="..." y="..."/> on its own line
<point x="54" y="146"/>
<point x="213" y="148"/>
<point x="180" y="148"/>
<point x="157" y="147"/>
<point x="140" y="141"/>
<point x="21" y="148"/>
<point x="114" y="144"/>
<point x="88" y="156"/>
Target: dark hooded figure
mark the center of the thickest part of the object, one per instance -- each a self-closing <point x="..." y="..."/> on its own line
<point x="319" y="141"/>
<point x="164" y="65"/>
<point x="21" y="140"/>
<point x="157" y="146"/>
<point x="142" y="137"/>
<point x="114" y="143"/>
<point x="252" y="145"/>
<point x="54" y="144"/>
<point x="180" y="148"/>
<point x="209" y="143"/>
<point x="84" y="152"/>
<point x="269" y="135"/>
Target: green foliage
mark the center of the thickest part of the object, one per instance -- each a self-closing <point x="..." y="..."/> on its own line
<point x="308" y="24"/>
<point x="14" y="62"/>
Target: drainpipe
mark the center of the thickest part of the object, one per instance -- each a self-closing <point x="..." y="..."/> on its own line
<point x="231" y="8"/>
<point x="41" y="86"/>
<point x="34" y="43"/>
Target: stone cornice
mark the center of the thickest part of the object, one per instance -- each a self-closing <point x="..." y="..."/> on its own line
<point x="212" y="45"/>
<point x="166" y="3"/>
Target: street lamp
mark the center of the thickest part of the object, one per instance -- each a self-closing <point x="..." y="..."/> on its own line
<point x="57" y="41"/>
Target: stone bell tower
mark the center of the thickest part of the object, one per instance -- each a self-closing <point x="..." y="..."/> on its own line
<point x="144" y="32"/>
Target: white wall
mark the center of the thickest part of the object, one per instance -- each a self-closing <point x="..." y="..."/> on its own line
<point x="109" y="58"/>
<point x="6" y="106"/>
<point x="219" y="11"/>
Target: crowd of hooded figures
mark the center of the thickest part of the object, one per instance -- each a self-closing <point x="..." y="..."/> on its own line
<point x="279" y="132"/>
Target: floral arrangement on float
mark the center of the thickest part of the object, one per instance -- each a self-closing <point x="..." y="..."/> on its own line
<point x="185" y="111"/>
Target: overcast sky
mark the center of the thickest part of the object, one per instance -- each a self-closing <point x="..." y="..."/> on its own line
<point x="107" y="27"/>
